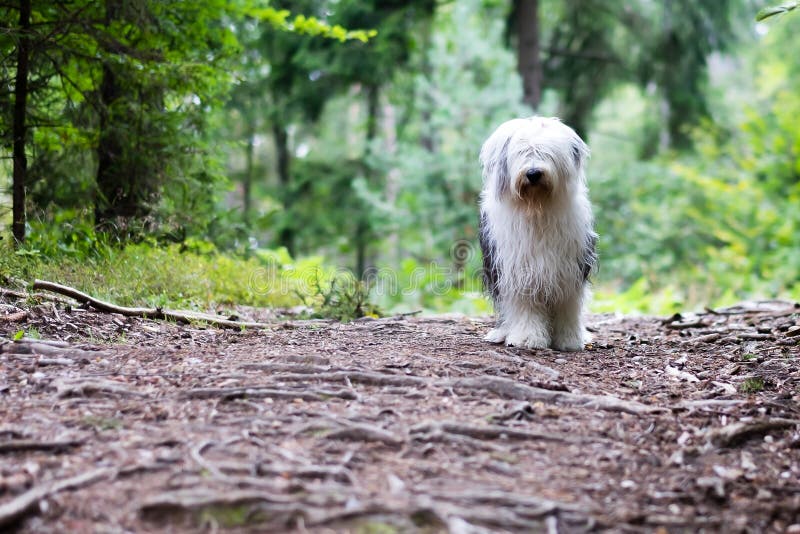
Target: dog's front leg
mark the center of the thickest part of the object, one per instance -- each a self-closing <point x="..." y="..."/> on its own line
<point x="569" y="333"/>
<point x="528" y="324"/>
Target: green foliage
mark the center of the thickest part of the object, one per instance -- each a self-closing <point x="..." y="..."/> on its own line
<point x="342" y="297"/>
<point x="301" y="24"/>
<point x="771" y="11"/>
<point x="191" y="275"/>
<point x="752" y="385"/>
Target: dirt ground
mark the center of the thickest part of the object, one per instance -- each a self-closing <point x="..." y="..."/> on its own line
<point x="405" y="424"/>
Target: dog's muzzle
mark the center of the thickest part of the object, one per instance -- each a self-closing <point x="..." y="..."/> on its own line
<point x="534" y="176"/>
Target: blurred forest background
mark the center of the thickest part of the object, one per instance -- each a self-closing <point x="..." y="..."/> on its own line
<point x="212" y="153"/>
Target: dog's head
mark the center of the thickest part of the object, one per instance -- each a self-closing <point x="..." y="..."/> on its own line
<point x="533" y="160"/>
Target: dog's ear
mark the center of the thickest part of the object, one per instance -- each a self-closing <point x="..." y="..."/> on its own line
<point x="494" y="159"/>
<point x="580" y="151"/>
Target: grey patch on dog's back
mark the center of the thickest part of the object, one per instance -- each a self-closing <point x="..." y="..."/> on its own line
<point x="588" y="261"/>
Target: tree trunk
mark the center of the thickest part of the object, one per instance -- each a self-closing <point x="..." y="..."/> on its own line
<point x="129" y="145"/>
<point x="19" y="128"/>
<point x="247" y="181"/>
<point x="286" y="236"/>
<point x="109" y="152"/>
<point x="114" y="200"/>
<point x="529" y="64"/>
<point x="364" y="224"/>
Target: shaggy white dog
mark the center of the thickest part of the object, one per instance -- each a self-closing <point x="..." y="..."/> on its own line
<point x="536" y="233"/>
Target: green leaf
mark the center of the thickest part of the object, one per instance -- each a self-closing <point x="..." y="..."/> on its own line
<point x="19" y="335"/>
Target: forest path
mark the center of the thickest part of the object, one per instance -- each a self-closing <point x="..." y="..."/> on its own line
<point x="400" y="425"/>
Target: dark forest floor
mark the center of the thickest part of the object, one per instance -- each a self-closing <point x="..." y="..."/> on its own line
<point x="399" y="425"/>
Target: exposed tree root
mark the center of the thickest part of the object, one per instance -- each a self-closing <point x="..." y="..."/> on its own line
<point x="496" y="432"/>
<point x="502" y="387"/>
<point x="250" y="507"/>
<point x="512" y="389"/>
<point x="735" y="434"/>
<point x="28" y="502"/>
<point x="46" y="348"/>
<point x="254" y="392"/>
<point x="84" y="387"/>
<point x="286" y="368"/>
<point x="17" y="445"/>
<point x="359" y="377"/>
<point x="350" y="431"/>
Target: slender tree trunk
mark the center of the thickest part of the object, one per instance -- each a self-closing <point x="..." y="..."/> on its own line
<point x="109" y="151"/>
<point x="364" y="226"/>
<point x="247" y="182"/>
<point x="287" y="234"/>
<point x="529" y="63"/>
<point x="111" y="186"/>
<point x="428" y="138"/>
<point x="19" y="128"/>
<point x="129" y="148"/>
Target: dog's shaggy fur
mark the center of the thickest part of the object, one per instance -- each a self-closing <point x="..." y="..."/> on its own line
<point x="536" y="233"/>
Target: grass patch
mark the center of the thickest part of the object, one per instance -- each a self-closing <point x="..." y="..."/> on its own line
<point x="752" y="385"/>
<point x="193" y="276"/>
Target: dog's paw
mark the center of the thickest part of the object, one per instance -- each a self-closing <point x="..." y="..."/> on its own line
<point x="496" y="335"/>
<point x="570" y="341"/>
<point x="527" y="340"/>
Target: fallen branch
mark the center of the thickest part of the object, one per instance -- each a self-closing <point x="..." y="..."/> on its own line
<point x="28" y="502"/>
<point x="147" y="313"/>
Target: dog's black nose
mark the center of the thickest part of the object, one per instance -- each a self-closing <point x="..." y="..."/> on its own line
<point x="534" y="175"/>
